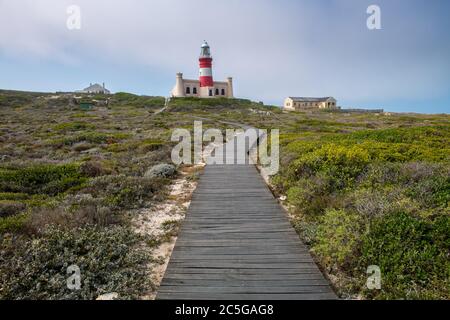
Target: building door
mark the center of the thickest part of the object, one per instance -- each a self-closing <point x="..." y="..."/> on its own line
<point x="210" y="93"/>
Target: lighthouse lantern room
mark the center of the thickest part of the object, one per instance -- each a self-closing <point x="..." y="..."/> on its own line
<point x="205" y="86"/>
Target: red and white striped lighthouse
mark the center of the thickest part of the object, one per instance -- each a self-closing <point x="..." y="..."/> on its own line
<point x="205" y="86"/>
<point x="206" y="77"/>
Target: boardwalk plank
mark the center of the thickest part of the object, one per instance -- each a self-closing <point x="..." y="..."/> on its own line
<point x="237" y="243"/>
<point x="262" y="272"/>
<point x="246" y="283"/>
<point x="249" y="296"/>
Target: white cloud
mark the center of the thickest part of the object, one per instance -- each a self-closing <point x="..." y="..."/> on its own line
<point x="272" y="48"/>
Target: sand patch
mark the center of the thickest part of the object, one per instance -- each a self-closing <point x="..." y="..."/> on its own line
<point x="160" y="223"/>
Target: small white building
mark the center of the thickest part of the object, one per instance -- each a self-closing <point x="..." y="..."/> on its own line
<point x="95" y="89"/>
<point x="192" y="88"/>
<point x="300" y="103"/>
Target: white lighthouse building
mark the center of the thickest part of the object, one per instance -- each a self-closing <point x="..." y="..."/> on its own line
<point x="205" y="86"/>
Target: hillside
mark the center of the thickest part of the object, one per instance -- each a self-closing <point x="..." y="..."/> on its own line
<point x="361" y="190"/>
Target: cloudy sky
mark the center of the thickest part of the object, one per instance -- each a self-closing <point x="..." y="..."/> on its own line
<point x="273" y="49"/>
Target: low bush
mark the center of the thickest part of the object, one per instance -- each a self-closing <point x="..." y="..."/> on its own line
<point x="109" y="260"/>
<point x="310" y="196"/>
<point x="427" y="183"/>
<point x="10" y="208"/>
<point x="306" y="229"/>
<point x="128" y="99"/>
<point x="341" y="164"/>
<point x="90" y="137"/>
<point x="371" y="203"/>
<point x="432" y="135"/>
<point x="215" y="104"/>
<point x="338" y="236"/>
<point x="16" y="98"/>
<point x="73" y="126"/>
<point x="93" y="169"/>
<point x="412" y="254"/>
<point x="46" y="179"/>
<point x="432" y="192"/>
<point x="82" y="146"/>
<point x="372" y="197"/>
<point x="126" y="192"/>
<point x="13" y="196"/>
<point x="161" y="171"/>
<point x="149" y="146"/>
<point x="68" y="216"/>
<point x="12" y="223"/>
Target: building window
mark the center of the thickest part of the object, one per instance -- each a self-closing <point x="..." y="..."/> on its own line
<point x="223" y="92"/>
<point x="188" y="90"/>
<point x="217" y="92"/>
<point x="194" y="90"/>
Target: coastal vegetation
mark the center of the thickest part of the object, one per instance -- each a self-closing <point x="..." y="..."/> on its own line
<point x="361" y="190"/>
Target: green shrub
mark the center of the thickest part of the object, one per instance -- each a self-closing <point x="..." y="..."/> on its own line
<point x="412" y="254"/>
<point x="90" y="137"/>
<point x="370" y="203"/>
<point x="427" y="183"/>
<point x="213" y="104"/>
<point x="337" y="239"/>
<point x="307" y="230"/>
<point x="341" y="164"/>
<point x="379" y="175"/>
<point x="128" y="99"/>
<point x="126" y="192"/>
<point x="93" y="169"/>
<point x="73" y="126"/>
<point x="434" y="135"/>
<point x="12" y="224"/>
<point x="82" y="146"/>
<point x="13" y="196"/>
<point x="401" y="144"/>
<point x="151" y="146"/>
<point x="47" y="179"/>
<point x="72" y="213"/>
<point x="143" y="146"/>
<point x="108" y="258"/>
<point x="431" y="192"/>
<point x="118" y="147"/>
<point x="310" y="196"/>
<point x="16" y="98"/>
<point x="10" y="208"/>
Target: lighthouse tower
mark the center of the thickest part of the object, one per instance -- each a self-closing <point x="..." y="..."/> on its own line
<point x="205" y="86"/>
<point x="206" y="76"/>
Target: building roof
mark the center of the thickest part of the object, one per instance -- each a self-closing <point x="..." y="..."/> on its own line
<point x="308" y="99"/>
<point x="191" y="81"/>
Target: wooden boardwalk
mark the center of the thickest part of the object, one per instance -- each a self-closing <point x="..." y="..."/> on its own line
<point x="237" y="243"/>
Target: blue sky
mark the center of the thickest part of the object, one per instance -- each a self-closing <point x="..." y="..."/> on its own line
<point x="273" y="49"/>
